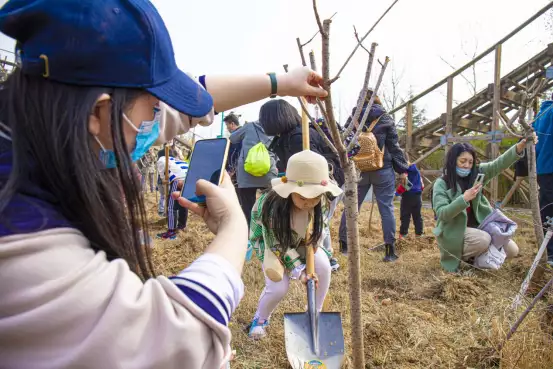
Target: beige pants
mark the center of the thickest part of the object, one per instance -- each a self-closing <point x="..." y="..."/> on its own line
<point x="477" y="242"/>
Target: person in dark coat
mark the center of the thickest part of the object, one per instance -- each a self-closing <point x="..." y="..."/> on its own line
<point x="281" y="120"/>
<point x="382" y="180"/>
<point x="232" y="124"/>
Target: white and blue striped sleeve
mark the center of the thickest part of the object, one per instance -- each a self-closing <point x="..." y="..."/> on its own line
<point x="213" y="284"/>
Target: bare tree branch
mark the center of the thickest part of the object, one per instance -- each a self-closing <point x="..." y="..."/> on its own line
<point x="312" y="61"/>
<point x="319" y="104"/>
<point x="325" y="51"/>
<point x="301" y="50"/>
<point x="369" y="105"/>
<point x="363" y="92"/>
<point x="317" y="18"/>
<point x="471" y="84"/>
<point x="316" y="126"/>
<point x="360" y="42"/>
<point x="358" y="39"/>
<point x="392" y="99"/>
<point x="317" y="33"/>
<point x="509" y="123"/>
<point x="523" y="315"/>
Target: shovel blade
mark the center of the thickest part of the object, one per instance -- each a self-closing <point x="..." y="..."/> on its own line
<point x="299" y="345"/>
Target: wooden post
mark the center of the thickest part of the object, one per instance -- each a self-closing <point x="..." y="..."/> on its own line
<point x="409" y="126"/>
<point x="371" y="209"/>
<point x="510" y="193"/>
<point x="494" y="147"/>
<point x="449" y="101"/>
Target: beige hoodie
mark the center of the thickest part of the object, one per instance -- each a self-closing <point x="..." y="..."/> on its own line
<point x="64" y="306"/>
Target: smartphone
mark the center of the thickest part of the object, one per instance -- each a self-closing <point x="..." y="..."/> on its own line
<point x="207" y="162"/>
<point x="479" y="180"/>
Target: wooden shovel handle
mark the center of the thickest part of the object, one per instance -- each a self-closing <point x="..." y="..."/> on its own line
<point x="310" y="268"/>
<point x="305" y="129"/>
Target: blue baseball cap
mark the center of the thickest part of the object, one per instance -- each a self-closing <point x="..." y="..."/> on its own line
<point x="113" y="43"/>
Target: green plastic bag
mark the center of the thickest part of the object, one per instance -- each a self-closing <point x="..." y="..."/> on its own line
<point x="257" y="161"/>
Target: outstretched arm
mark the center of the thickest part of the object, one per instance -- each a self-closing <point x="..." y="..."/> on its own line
<point x="229" y="92"/>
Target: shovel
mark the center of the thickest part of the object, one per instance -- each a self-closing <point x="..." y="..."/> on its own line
<point x="313" y="340"/>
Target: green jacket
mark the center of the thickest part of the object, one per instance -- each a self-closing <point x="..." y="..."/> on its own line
<point x="450" y="208"/>
<point x="262" y="237"/>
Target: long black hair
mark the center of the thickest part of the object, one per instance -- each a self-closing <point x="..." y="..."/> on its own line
<point x="449" y="171"/>
<point x="278" y="117"/>
<point x="51" y="147"/>
<point x="276" y="215"/>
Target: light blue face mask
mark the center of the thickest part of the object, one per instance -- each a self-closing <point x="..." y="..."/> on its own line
<point x="147" y="134"/>
<point x="462" y="172"/>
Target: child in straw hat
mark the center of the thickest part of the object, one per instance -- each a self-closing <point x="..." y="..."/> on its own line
<point x="280" y="220"/>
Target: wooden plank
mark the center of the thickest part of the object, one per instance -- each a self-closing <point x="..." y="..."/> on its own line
<point x="449" y="102"/>
<point x="479" y="137"/>
<point x="431" y="172"/>
<point x="409" y="126"/>
<point x="494" y="148"/>
<point x="477" y="114"/>
<point x="427" y="142"/>
<point x="426" y="155"/>
<point x="510" y="193"/>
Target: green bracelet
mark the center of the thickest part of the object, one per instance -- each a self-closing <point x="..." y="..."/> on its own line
<point x="273" y="79"/>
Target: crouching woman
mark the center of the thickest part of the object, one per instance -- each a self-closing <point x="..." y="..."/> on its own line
<point x="460" y="206"/>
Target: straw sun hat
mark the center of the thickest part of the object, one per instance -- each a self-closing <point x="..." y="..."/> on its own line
<point x="307" y="175"/>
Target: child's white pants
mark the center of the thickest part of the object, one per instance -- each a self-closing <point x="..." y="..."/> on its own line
<point x="274" y="292"/>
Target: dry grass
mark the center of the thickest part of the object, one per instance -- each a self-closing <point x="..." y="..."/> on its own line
<point x="435" y="320"/>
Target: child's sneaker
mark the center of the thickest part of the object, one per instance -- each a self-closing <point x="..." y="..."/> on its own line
<point x="334" y="264"/>
<point x="169" y="235"/>
<point x="402" y="237"/>
<point x="181" y="227"/>
<point x="161" y="213"/>
<point x="257" y="331"/>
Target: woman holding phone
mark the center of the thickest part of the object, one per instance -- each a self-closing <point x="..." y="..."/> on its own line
<point x="460" y="206"/>
<point x="97" y="85"/>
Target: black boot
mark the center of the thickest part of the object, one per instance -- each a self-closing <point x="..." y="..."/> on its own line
<point x="390" y="253"/>
<point x="343" y="247"/>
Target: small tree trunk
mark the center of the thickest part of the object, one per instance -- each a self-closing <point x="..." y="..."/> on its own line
<point x="535" y="207"/>
<point x="354" y="275"/>
<point x="534" y="189"/>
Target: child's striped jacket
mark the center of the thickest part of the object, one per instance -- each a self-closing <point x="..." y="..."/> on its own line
<point x="177" y="169"/>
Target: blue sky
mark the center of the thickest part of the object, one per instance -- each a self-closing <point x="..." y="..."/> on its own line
<point x="253" y="36"/>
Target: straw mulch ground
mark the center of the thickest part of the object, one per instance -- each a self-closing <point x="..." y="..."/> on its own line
<point x="414" y="314"/>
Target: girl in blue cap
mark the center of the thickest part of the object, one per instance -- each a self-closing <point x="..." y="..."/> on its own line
<point x="97" y="85"/>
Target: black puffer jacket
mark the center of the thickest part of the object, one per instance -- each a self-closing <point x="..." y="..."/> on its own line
<point x="386" y="135"/>
<point x="290" y="143"/>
